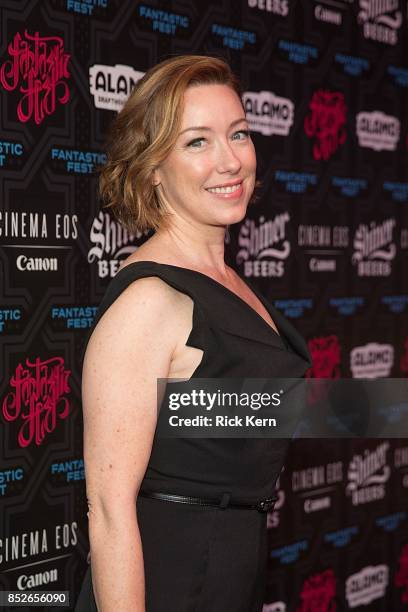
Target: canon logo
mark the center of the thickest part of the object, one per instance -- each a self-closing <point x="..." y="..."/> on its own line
<point x="43" y="264"/>
<point x="34" y="580"/>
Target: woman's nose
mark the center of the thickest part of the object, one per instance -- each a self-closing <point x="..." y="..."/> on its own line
<point x="227" y="160"/>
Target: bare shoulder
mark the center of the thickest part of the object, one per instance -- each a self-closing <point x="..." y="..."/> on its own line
<point x="149" y="316"/>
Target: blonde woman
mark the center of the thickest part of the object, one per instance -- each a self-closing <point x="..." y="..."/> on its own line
<point x="179" y="525"/>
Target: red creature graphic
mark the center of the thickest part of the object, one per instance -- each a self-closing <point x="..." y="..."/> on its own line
<point x="401" y="577"/>
<point x="404" y="359"/>
<point x="318" y="593"/>
<point x="326" y="123"/>
<point x="325" y="353"/>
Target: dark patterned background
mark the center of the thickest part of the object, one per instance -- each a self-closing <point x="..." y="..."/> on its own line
<point x="326" y="93"/>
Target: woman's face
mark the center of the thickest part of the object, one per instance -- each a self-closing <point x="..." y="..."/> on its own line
<point x="209" y="175"/>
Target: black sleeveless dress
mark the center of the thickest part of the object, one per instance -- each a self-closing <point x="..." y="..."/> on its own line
<point x="205" y="559"/>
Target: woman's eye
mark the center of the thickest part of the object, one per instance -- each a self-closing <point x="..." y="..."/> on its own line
<point x="195" y="142"/>
<point x="244" y="132"/>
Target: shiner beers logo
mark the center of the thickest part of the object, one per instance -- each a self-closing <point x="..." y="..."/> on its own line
<point x="326" y="123"/>
<point x="38" y="69"/>
<point x="367" y="475"/>
<point x="37" y="400"/>
<point x="111" y="243"/>
<point x="263" y="248"/>
<point x="374" y="248"/>
<point x="381" y="20"/>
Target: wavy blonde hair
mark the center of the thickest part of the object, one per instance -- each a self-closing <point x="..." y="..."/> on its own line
<point x="144" y="132"/>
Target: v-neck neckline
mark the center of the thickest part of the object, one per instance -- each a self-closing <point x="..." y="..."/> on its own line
<point x="226" y="289"/>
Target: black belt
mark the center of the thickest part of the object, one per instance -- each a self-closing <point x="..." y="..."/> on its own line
<point x="263" y="505"/>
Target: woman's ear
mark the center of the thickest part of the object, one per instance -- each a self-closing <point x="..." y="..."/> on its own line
<point x="155" y="178"/>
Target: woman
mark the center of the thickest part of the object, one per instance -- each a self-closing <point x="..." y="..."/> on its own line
<point x="179" y="525"/>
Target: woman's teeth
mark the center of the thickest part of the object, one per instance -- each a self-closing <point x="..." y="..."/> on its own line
<point x="225" y="189"/>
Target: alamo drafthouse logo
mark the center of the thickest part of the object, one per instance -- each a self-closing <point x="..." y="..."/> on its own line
<point x="268" y="113"/>
<point x="111" y="243"/>
<point x="380" y="19"/>
<point x="374" y="248"/>
<point x="112" y="85"/>
<point x="263" y="246"/>
<point x="367" y="585"/>
<point x="378" y="131"/>
<point x="38" y="70"/>
<point x="367" y="475"/>
<point x="373" y="360"/>
<point x="37" y="401"/>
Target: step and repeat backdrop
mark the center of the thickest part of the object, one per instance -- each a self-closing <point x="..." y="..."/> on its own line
<point x="325" y="90"/>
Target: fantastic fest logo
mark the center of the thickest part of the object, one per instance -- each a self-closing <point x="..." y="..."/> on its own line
<point x="38" y="69"/>
<point x="37" y="401"/>
<point x="318" y="593"/>
<point x="326" y="123"/>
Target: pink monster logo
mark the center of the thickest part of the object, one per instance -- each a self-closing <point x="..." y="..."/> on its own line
<point x="37" y="399"/>
<point x="37" y="68"/>
<point x="401" y="577"/>
<point x="318" y="593"/>
<point x="404" y="359"/>
<point x="326" y="123"/>
<point x="325" y="354"/>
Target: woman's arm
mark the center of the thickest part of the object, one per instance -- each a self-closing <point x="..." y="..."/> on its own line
<point x="129" y="349"/>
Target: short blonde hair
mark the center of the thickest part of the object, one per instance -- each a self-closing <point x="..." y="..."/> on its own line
<point x="144" y="132"/>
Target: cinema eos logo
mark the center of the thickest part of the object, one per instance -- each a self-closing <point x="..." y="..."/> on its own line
<point x="367" y="475"/>
<point x="378" y="131"/>
<point x="38" y="69"/>
<point x="267" y="113"/>
<point x="374" y="248"/>
<point x="381" y="20"/>
<point x="112" y="85"/>
<point x="112" y="243"/>
<point x="38" y="399"/>
<point x="326" y="123"/>
<point x="264" y="248"/>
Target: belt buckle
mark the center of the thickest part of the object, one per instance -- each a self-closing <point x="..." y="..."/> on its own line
<point x="266" y="504"/>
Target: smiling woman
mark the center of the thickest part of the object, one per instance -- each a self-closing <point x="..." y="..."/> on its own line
<point x="152" y="124"/>
<point x="179" y="524"/>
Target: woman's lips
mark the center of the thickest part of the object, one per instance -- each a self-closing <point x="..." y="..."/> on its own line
<point x="236" y="192"/>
